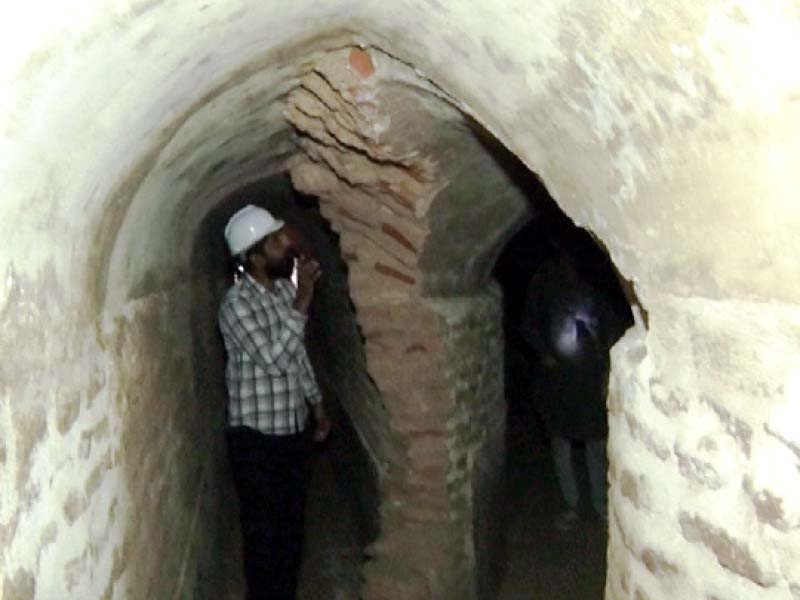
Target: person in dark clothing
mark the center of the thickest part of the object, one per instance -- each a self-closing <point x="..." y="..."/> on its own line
<point x="571" y="325"/>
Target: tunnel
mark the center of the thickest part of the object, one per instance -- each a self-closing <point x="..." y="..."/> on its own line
<point x="555" y="506"/>
<point x="669" y="131"/>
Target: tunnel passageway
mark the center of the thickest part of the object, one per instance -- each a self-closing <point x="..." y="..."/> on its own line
<point x="382" y="200"/>
<point x="128" y="128"/>
<point x="543" y="558"/>
<point x="343" y="497"/>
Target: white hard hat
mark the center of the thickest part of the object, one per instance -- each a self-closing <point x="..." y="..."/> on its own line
<point x="248" y="226"/>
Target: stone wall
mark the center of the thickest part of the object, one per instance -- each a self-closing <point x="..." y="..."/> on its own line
<point x="144" y="451"/>
<point x="704" y="468"/>
<point x="476" y="429"/>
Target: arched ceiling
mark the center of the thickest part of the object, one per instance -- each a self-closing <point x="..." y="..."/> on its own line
<point x="121" y="121"/>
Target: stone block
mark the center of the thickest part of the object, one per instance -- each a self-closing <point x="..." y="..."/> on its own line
<point x="731" y="553"/>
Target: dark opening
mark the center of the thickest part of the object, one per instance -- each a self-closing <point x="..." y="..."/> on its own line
<point x="542" y="559"/>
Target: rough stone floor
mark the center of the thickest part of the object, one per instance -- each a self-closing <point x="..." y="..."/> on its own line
<point x="332" y="559"/>
<point x="542" y="563"/>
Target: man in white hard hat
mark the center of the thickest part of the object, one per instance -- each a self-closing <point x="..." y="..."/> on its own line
<point x="271" y="386"/>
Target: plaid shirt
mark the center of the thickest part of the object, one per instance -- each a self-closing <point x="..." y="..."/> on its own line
<point x="269" y="375"/>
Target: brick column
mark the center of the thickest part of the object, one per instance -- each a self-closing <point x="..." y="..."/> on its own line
<point x="436" y="362"/>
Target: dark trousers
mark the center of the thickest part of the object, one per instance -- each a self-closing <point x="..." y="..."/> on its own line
<point x="271" y="476"/>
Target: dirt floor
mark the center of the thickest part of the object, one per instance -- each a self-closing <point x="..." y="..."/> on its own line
<point x="542" y="562"/>
<point x="332" y="559"/>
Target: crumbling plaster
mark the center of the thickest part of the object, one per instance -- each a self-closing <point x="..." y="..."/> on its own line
<point x="670" y="130"/>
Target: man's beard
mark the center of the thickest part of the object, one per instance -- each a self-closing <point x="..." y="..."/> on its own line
<point x="281" y="268"/>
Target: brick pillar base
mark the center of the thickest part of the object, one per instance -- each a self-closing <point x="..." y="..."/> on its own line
<point x="438" y="363"/>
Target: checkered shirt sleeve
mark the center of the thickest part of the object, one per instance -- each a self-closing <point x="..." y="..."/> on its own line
<point x="269" y="376"/>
